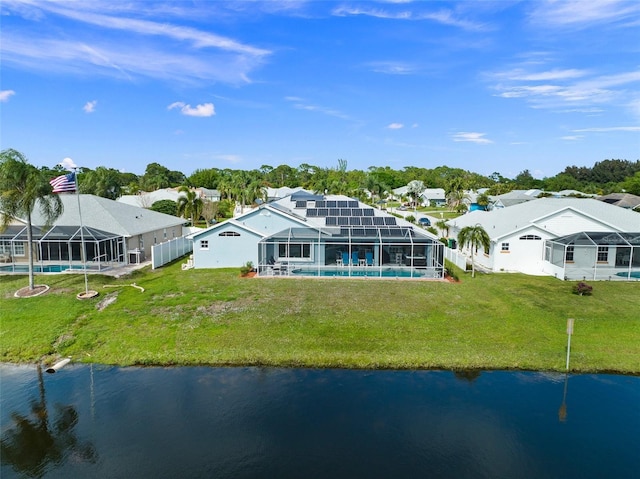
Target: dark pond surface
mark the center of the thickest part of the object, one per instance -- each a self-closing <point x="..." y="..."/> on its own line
<point x="95" y="421"/>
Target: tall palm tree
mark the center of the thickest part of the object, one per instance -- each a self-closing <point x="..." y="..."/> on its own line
<point x="474" y="237"/>
<point x="189" y="204"/>
<point x="22" y="186"/>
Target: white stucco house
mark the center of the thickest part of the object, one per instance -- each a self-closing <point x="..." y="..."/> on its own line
<point x="320" y="235"/>
<point x="570" y="238"/>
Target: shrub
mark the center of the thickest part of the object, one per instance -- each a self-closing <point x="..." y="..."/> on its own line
<point x="582" y="288"/>
<point x="410" y="218"/>
<point x="452" y="270"/>
<point x="246" y="268"/>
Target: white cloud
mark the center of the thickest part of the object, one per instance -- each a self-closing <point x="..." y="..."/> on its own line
<point x="607" y="129"/>
<point x="229" y="158"/>
<point x="395" y="126"/>
<point x="301" y="104"/>
<point x="90" y="106"/>
<point x="203" y="110"/>
<point x="572" y="137"/>
<point x="172" y="52"/>
<point x="471" y="137"/>
<point x="579" y="14"/>
<point x="6" y="94"/>
<point x="392" y="68"/>
<point x="68" y="164"/>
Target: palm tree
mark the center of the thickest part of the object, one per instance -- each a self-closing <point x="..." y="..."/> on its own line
<point x="22" y="185"/>
<point x="415" y="189"/>
<point x="474" y="236"/>
<point x="189" y="204"/>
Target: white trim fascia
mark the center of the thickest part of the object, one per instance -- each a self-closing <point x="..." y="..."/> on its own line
<point x="580" y="212"/>
<point x="530" y="225"/>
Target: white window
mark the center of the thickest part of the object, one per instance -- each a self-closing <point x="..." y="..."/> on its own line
<point x="603" y="254"/>
<point x="530" y="238"/>
<point x="294" y="250"/>
<point x="229" y="233"/>
<point x="204" y="244"/>
<point x="504" y="247"/>
<point x="18" y="249"/>
<point x="568" y="254"/>
<point x="164" y="233"/>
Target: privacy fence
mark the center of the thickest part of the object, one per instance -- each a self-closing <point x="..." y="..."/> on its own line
<point x="168" y="251"/>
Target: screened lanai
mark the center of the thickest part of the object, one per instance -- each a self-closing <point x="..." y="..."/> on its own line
<point x="595" y="256"/>
<point x="61" y="246"/>
<point x="377" y="251"/>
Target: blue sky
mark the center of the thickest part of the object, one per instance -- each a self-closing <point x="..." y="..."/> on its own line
<point x="480" y="85"/>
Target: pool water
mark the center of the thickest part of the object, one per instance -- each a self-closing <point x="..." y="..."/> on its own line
<point x="634" y="274"/>
<point x="52" y="268"/>
<point x="369" y="273"/>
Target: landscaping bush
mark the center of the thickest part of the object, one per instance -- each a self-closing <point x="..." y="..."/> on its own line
<point x="582" y="289"/>
<point x="452" y="270"/>
<point x="410" y="218"/>
<point x="246" y="268"/>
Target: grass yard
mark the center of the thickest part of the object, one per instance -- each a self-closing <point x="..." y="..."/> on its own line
<point x="214" y="317"/>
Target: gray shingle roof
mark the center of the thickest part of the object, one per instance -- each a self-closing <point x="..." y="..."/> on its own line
<point x="502" y="221"/>
<point x="108" y="215"/>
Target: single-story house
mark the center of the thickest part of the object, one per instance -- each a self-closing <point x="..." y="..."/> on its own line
<point x="436" y="196"/>
<point x="320" y="235"/>
<point x="113" y="233"/>
<point x="274" y="194"/>
<point x="570" y="238"/>
<point x="623" y="200"/>
<point x="514" y="197"/>
<point x="147" y="199"/>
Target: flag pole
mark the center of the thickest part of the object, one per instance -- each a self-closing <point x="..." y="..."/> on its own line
<point x="83" y="253"/>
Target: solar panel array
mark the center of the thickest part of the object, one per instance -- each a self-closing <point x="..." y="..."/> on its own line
<point x="389" y="231"/>
<point x="347" y="213"/>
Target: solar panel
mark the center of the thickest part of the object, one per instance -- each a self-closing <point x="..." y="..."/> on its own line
<point x="345" y="211"/>
<point x="321" y="204"/>
<point x="352" y="204"/>
<point x="354" y="221"/>
<point x="343" y="204"/>
<point x="378" y="220"/>
<point x="334" y="211"/>
<point x="343" y="220"/>
<point x="331" y="204"/>
<point x="366" y="221"/>
<point x="368" y="212"/>
<point x="356" y="211"/>
<point x="371" y="231"/>
<point x="325" y="212"/>
<point x="389" y="220"/>
<point x="311" y="212"/>
<point x="357" y="231"/>
<point x="301" y="204"/>
<point x="331" y="221"/>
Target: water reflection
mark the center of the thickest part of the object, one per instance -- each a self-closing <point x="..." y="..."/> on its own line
<point x="260" y="422"/>
<point x="36" y="441"/>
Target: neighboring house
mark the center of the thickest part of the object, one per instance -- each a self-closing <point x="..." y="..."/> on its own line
<point x="147" y="199"/>
<point x="274" y="194"/>
<point x="434" y="195"/>
<point x="112" y="233"/>
<point x="623" y="200"/>
<point x="543" y="236"/>
<point x="311" y="234"/>
<point x="514" y="197"/>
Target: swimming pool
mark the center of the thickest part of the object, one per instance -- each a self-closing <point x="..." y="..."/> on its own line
<point x="51" y="268"/>
<point x="361" y="272"/>
<point x="634" y="274"/>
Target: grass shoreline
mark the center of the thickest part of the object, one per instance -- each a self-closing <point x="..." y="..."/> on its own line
<point x="215" y="318"/>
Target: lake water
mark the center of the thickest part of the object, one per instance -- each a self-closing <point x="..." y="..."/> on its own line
<point x="105" y="422"/>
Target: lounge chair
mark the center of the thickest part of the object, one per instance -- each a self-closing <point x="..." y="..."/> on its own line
<point x="369" y="258"/>
<point x="354" y="258"/>
<point x="345" y="258"/>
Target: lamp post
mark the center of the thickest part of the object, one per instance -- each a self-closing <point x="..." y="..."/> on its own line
<point x="570" y="322"/>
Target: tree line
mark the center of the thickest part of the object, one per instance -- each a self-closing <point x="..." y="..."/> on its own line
<point x="245" y="186"/>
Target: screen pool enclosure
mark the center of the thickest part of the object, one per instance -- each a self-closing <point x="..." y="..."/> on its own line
<point x="385" y="251"/>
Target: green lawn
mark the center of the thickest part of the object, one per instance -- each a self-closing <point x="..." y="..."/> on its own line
<point x="215" y="317"/>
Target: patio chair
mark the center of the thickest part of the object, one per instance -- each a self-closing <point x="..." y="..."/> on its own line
<point x="369" y="258"/>
<point x="354" y="258"/>
<point x="345" y="258"/>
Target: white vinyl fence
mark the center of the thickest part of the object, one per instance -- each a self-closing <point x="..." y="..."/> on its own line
<point x="455" y="257"/>
<point x="166" y="252"/>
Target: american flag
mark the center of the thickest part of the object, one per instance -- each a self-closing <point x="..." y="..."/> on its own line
<point x="64" y="183"/>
